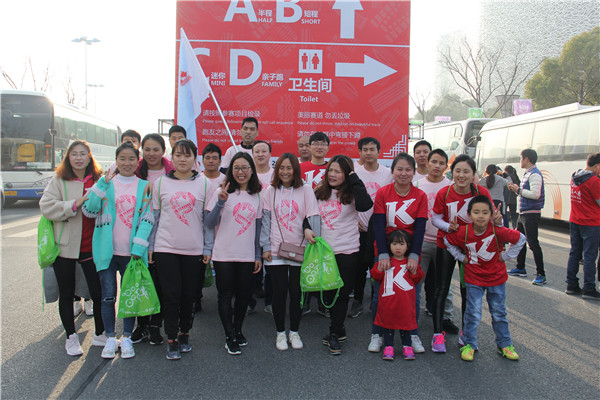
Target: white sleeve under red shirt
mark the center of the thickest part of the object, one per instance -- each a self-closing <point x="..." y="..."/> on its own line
<point x="373" y="180"/>
<point x="236" y="231"/>
<point x="483" y="265"/>
<point x="181" y="204"/>
<point x="339" y="224"/>
<point x="265" y="179"/>
<point x="125" y="198"/>
<point x="450" y="204"/>
<point x="312" y="174"/>
<point x="400" y="211"/>
<point x="584" y="209"/>
<point x="431" y="189"/>
<point x="397" y="296"/>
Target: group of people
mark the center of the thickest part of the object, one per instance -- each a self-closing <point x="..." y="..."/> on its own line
<point x="237" y="213"/>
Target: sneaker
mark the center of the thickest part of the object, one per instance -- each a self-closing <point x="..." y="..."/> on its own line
<point x="281" y="341"/>
<point x="572" y="290"/>
<point x="388" y="353"/>
<point x="155" y="336"/>
<point x="342" y="335"/>
<point x="306" y="309"/>
<point x="77" y="307"/>
<point x="428" y="312"/>
<point x="295" y="341"/>
<point x="467" y="352"/>
<point x="508" y="352"/>
<point x="375" y="343"/>
<point x="323" y="311"/>
<point x="356" y="309"/>
<point x="232" y="346"/>
<point x="539" y="280"/>
<point x="110" y="348"/>
<point x="250" y="310"/>
<point x="461" y="339"/>
<point x="72" y="345"/>
<point x="449" y="327"/>
<point x="438" y="342"/>
<point x="517" y="272"/>
<point x="139" y="334"/>
<point x="184" y="343"/>
<point x="241" y="339"/>
<point x="416" y="344"/>
<point x="173" y="352"/>
<point x="88" y="308"/>
<point x="408" y="353"/>
<point x="333" y="342"/>
<point x="127" y="350"/>
<point x="591" y="295"/>
<point x="99" y="340"/>
<point x="269" y="309"/>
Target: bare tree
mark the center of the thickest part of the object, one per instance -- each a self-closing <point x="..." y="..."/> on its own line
<point x="46" y="77"/>
<point x="419" y="100"/>
<point x="68" y="86"/>
<point x="8" y="79"/>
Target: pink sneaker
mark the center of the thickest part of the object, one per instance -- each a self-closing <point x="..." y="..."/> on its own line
<point x="408" y="352"/>
<point x="438" y="342"/>
<point x="388" y="353"/>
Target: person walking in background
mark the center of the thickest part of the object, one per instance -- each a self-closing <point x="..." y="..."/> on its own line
<point x="495" y="184"/>
<point x="531" y="201"/>
<point x="510" y="173"/>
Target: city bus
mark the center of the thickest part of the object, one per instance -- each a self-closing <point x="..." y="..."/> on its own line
<point x="563" y="137"/>
<point x="35" y="134"/>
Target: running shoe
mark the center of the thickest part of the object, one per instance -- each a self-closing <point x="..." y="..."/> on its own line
<point x="173" y="352"/>
<point x="517" y="272"/>
<point x="232" y="346"/>
<point x="127" y="350"/>
<point x="416" y="344"/>
<point x="591" y="295"/>
<point x="295" y="341"/>
<point x="154" y="336"/>
<point x="139" y="334"/>
<point x="110" y="348"/>
<point x="88" y="308"/>
<point x="356" y="309"/>
<point x="184" y="343"/>
<point x="281" y="341"/>
<point x="539" y="280"/>
<point x="269" y="309"/>
<point x="573" y="290"/>
<point x="241" y="339"/>
<point x="408" y="353"/>
<point x="467" y="352"/>
<point x="72" y="345"/>
<point x="388" y="353"/>
<point x="508" y="352"/>
<point x="375" y="343"/>
<point x="332" y="341"/>
<point x="99" y="340"/>
<point x="438" y="343"/>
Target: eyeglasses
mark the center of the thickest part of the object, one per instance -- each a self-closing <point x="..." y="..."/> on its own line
<point x="245" y="168"/>
<point x="319" y="144"/>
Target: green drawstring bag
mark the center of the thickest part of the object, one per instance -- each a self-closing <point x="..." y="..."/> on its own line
<point x="138" y="294"/>
<point x="48" y="249"/>
<point x="208" y="276"/>
<point x="319" y="271"/>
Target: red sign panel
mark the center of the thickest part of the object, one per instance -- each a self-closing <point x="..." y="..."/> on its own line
<point x="302" y="66"/>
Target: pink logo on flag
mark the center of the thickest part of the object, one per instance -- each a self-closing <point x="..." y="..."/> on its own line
<point x="184" y="78"/>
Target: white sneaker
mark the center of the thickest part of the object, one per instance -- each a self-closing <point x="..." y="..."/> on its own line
<point x="416" y="344"/>
<point x="99" y="340"/>
<point x="281" y="341"/>
<point x="295" y="341"/>
<point x="110" y="348"/>
<point x="88" y="308"/>
<point x="376" y="343"/>
<point x="127" y="350"/>
<point x="72" y="345"/>
<point x="77" y="307"/>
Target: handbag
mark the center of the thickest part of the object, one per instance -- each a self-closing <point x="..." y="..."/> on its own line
<point x="288" y="251"/>
<point x="319" y="271"/>
<point x="138" y="294"/>
<point x="47" y="247"/>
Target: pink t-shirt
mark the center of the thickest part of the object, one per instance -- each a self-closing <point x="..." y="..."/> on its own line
<point x="431" y="189"/>
<point x="291" y="207"/>
<point x="373" y="182"/>
<point x="226" y="160"/>
<point x="265" y="179"/>
<point x="339" y="225"/>
<point x="214" y="184"/>
<point x="417" y="177"/>
<point x="125" y="198"/>
<point x="154" y="174"/>
<point x="235" y="234"/>
<point x="180" y="229"/>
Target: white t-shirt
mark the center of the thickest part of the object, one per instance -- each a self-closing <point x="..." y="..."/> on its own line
<point x="373" y="181"/>
<point x="235" y="234"/>
<point x="226" y="160"/>
<point x="431" y="189"/>
<point x="265" y="179"/>
<point x="339" y="225"/>
<point x="125" y="199"/>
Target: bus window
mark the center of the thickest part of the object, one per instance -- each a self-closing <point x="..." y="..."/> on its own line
<point x="493" y="145"/>
<point x="581" y="136"/>
<point x="548" y="139"/>
<point x="519" y="139"/>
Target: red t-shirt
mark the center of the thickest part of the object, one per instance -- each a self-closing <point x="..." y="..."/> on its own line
<point x="400" y="212"/>
<point x="87" y="224"/>
<point x="484" y="266"/>
<point x="311" y="173"/>
<point x="584" y="209"/>
<point x="449" y="204"/>
<point x="396" y="309"/>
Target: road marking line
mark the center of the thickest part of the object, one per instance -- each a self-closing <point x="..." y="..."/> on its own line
<point x="20" y="222"/>
<point x="24" y="234"/>
<point x="557" y="234"/>
<point x="554" y="243"/>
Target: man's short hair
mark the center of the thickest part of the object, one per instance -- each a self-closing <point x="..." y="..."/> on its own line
<point x="593" y="159"/>
<point x="250" y="119"/>
<point x="422" y="143"/>
<point x="177" y="128"/>
<point x="318" y="137"/>
<point x="439" y="152"/>
<point x="530" y="154"/>
<point x="131" y="133"/>
<point x="369" y="140"/>
<point x="261" y="141"/>
<point x="211" y="148"/>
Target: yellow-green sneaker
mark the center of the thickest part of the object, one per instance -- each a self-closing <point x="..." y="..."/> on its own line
<point x="508" y="352"/>
<point x="467" y="352"/>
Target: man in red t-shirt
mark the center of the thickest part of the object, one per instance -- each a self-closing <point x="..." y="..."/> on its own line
<point x="313" y="171"/>
<point x="585" y="228"/>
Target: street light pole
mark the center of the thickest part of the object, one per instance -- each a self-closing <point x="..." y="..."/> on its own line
<point x="96" y="86"/>
<point x="87" y="42"/>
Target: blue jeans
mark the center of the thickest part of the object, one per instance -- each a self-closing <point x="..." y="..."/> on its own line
<point x="108" y="283"/>
<point x="496" y="298"/>
<point x="584" y="242"/>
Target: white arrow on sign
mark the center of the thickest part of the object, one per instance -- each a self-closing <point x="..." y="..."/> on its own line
<point x="371" y="70"/>
<point x="347" y="9"/>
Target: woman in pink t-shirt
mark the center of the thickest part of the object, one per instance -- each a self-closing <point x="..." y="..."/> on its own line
<point x="287" y="202"/>
<point x="341" y="196"/>
<point x="235" y="211"/>
<point x="153" y="164"/>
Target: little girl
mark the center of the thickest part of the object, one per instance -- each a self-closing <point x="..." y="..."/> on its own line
<point x="397" y="296"/>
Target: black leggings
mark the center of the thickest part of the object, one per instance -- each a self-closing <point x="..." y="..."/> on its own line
<point x="444" y="267"/>
<point x="178" y="276"/>
<point x="154" y="320"/>
<point x="64" y="269"/>
<point x="388" y="337"/>
<point x="367" y="255"/>
<point x="233" y="279"/>
<point x="286" y="278"/>
<point x="347" y="264"/>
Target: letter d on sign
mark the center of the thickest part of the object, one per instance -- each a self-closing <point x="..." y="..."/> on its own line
<point x="234" y="79"/>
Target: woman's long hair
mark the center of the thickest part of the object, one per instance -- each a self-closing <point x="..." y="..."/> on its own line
<point x="143" y="172"/>
<point x="512" y="172"/>
<point x="297" y="181"/>
<point x="344" y="194"/>
<point x="65" y="170"/>
<point x="490" y="170"/>
<point x="254" y="185"/>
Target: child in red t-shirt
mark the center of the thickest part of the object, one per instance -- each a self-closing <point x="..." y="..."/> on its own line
<point x="397" y="296"/>
<point x="479" y="245"/>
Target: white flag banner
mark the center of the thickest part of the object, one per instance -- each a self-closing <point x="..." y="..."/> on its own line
<point x="193" y="88"/>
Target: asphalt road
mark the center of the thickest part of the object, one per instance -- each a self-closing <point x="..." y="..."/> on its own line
<point x="557" y="337"/>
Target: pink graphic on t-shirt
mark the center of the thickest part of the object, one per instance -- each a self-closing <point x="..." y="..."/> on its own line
<point x="125" y="206"/>
<point x="243" y="214"/>
<point x="430" y="201"/>
<point x="182" y="204"/>
<point x="286" y="217"/>
<point x="330" y="210"/>
<point x="372" y="188"/>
